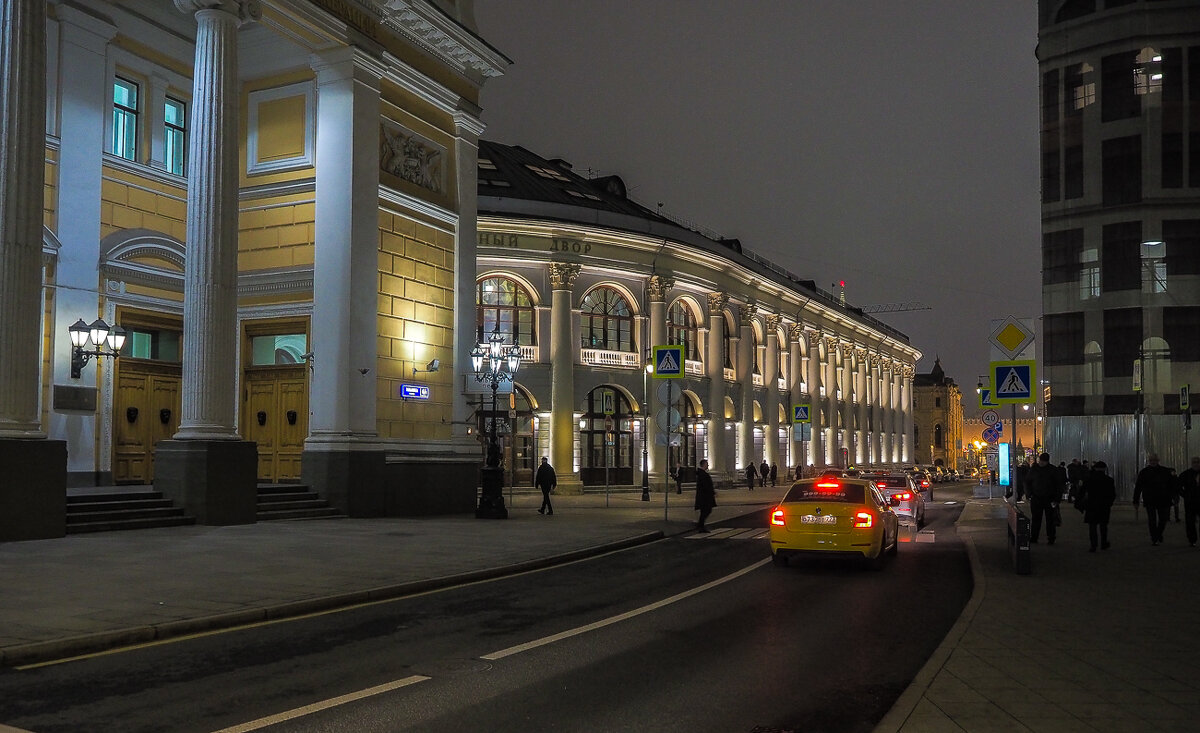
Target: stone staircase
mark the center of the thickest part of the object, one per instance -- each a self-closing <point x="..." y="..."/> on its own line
<point x="292" y="501"/>
<point x="104" y="511"/>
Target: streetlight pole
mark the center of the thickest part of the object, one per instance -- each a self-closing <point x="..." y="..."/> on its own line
<point x="645" y="429"/>
<point x="491" y="495"/>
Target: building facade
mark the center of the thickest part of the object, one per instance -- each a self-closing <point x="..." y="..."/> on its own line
<point x="938" y="418"/>
<point x="275" y="201"/>
<point x="1120" y="92"/>
<point x="586" y="281"/>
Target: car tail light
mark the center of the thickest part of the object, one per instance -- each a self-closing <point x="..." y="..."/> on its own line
<point x="904" y="496"/>
<point x="828" y="485"/>
<point x="924" y="483"/>
<point x="863" y="519"/>
<point x="777" y="518"/>
<point x="881" y="485"/>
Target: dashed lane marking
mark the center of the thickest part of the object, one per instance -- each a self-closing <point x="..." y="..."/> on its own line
<point x="731" y="533"/>
<point x="324" y="705"/>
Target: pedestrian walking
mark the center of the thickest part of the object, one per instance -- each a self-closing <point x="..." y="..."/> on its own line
<point x="774" y="472"/>
<point x="1189" y="490"/>
<point x="1019" y="479"/>
<point x="1155" y="488"/>
<point x="1175" y="494"/>
<point x="546" y="480"/>
<point x="1076" y="473"/>
<point x="1095" y="497"/>
<point x="706" y="495"/>
<point x="1044" y="487"/>
<point x="765" y="471"/>
<point x="751" y="474"/>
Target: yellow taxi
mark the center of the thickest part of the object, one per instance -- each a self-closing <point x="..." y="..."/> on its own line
<point x="834" y="515"/>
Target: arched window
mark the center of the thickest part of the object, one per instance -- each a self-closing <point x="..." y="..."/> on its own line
<point x="607" y="321"/>
<point x="726" y="335"/>
<point x="502" y="300"/>
<point x="1093" y="369"/>
<point x="681" y="329"/>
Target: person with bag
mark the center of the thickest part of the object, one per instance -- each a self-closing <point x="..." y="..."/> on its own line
<point x="1154" y="488"/>
<point x="1043" y="486"/>
<point x="1097" y="493"/>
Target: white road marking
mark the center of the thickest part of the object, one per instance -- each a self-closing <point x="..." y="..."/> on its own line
<point x="621" y="617"/>
<point x="324" y="705"/>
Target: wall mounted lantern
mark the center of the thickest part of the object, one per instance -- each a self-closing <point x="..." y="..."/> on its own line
<point x="100" y="336"/>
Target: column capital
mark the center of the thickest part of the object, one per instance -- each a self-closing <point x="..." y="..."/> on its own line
<point x="773" y="321"/>
<point x="746" y="315"/>
<point x="831" y="341"/>
<point x="860" y="352"/>
<point x="717" y="303"/>
<point x="795" y="333"/>
<point x="562" y="275"/>
<point x="657" y="287"/>
<point x="908" y="371"/>
<point x="244" y="10"/>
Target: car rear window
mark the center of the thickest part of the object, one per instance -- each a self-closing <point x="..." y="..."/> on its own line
<point x="891" y="482"/>
<point x="835" y="491"/>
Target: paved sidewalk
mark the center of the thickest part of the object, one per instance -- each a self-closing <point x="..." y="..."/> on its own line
<point x="1087" y="642"/>
<point x="90" y="592"/>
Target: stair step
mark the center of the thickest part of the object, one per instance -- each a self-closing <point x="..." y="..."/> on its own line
<point x="291" y="496"/>
<point x="312" y="513"/>
<point x="129" y="524"/>
<point x="308" y="503"/>
<point x="117" y="514"/>
<point x="282" y="488"/>
<point x="103" y="506"/>
<point x="114" y="496"/>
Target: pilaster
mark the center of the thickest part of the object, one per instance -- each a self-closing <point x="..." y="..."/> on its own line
<point x="745" y="377"/>
<point x="562" y="377"/>
<point x="816" y="450"/>
<point x="715" y="367"/>
<point x="771" y="382"/>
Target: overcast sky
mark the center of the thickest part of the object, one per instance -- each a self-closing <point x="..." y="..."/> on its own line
<point x="892" y="144"/>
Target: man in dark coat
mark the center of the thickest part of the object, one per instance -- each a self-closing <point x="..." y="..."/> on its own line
<point x="765" y="471"/>
<point x="751" y="474"/>
<point x="1155" y="488"/>
<point x="774" y="472"/>
<point x="1189" y="489"/>
<point x="1019" y="479"/>
<point x="1043" y="484"/>
<point x="546" y="480"/>
<point x="1095" y="496"/>
<point x="1076" y="473"/>
<point x="706" y="495"/>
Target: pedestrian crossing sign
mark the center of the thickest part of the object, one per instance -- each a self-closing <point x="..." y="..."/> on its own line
<point x="800" y="414"/>
<point x="1014" y="382"/>
<point x="668" y="361"/>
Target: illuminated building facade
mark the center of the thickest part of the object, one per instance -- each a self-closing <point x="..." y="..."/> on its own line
<point x="937" y="406"/>
<point x="586" y="281"/>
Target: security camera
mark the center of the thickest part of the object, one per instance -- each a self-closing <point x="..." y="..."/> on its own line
<point x="306" y="356"/>
<point x="433" y="365"/>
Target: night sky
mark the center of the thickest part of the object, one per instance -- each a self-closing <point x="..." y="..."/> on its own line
<point x="892" y="144"/>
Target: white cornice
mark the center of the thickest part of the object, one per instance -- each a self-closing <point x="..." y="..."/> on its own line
<point x="404" y="200"/>
<point x="426" y="27"/>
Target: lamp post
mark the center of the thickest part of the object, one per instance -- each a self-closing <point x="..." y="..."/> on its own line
<point x="645" y="428"/>
<point x="99" y="334"/>
<point x="491" y="494"/>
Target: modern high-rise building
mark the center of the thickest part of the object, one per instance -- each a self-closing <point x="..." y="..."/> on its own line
<point x="1120" y="141"/>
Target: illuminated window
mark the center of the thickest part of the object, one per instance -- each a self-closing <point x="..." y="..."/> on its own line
<point x="1081" y="88"/>
<point x="1148" y="72"/>
<point x="502" y="300"/>
<point x="607" y="321"/>
<point x="681" y="329"/>
<point x="153" y="344"/>
<point x="547" y="173"/>
<point x="278" y="349"/>
<point x="125" y="119"/>
<point x="175" y="135"/>
<point x="486" y="164"/>
<point x="1089" y="274"/>
<point x="1154" y="267"/>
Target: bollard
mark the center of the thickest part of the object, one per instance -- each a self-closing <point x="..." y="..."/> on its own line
<point x="1018" y="540"/>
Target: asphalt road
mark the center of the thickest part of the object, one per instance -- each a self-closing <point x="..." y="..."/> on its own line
<point x="689" y="633"/>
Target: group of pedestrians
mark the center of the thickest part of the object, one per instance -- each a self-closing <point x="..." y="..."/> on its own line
<point x="767" y="471"/>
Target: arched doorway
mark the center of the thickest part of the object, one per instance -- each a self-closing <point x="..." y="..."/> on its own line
<point x="683" y="455"/>
<point x="516" y="433"/>
<point x="606" y="438"/>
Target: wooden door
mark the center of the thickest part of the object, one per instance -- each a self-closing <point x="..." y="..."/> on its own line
<point x="275" y="416"/>
<point x="146" y="411"/>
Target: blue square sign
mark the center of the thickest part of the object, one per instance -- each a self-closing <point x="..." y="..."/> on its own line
<point x="800" y="414"/>
<point x="668" y="362"/>
<point x="1013" y="382"/>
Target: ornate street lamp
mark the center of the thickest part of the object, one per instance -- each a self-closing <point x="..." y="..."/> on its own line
<point x="645" y="434"/>
<point x="99" y="334"/>
<point x="502" y="364"/>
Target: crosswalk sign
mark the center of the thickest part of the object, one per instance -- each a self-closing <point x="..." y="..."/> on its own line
<point x="668" y="361"/>
<point x="1013" y="382"/>
<point x="800" y="414"/>
<point x="985" y="398"/>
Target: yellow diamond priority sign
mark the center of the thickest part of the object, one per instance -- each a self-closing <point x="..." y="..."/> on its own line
<point x="1011" y="336"/>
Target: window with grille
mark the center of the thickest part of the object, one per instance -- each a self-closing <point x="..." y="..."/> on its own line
<point x="681" y="329"/>
<point x="503" y="301"/>
<point x="607" y="321"/>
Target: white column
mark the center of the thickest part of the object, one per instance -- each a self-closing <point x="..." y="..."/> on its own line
<point x="885" y="411"/>
<point x="795" y="377"/>
<point x="897" y="423"/>
<point x="715" y="367"/>
<point x="467" y="130"/>
<point x="210" y="271"/>
<point x="22" y="180"/>
<point x="861" y="394"/>
<point x="745" y="376"/>
<point x="831" y="400"/>
<point x="771" y="382"/>
<point x="346" y="260"/>
<point x="816" y="450"/>
<point x="656" y="290"/>
<point x="906" y="406"/>
<point x="562" y="373"/>
<point x="848" y="401"/>
<point x="876" y="413"/>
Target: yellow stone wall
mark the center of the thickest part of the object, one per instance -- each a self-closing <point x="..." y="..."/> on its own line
<point x="50" y="194"/>
<point x="276" y="232"/>
<point x="129" y="201"/>
<point x="416" y="325"/>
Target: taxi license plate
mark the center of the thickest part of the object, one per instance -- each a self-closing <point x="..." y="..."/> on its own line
<point x="818" y="519"/>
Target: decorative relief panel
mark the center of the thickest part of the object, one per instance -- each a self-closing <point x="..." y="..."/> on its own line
<point x="411" y="157"/>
